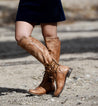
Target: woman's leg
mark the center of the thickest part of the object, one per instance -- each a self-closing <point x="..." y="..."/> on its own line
<point x="40" y="52"/>
<point x="23" y="29"/>
<point x="52" y="43"/>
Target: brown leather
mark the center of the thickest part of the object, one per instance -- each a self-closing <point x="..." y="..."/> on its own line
<point x="47" y="84"/>
<point x="53" y="45"/>
<point x="59" y="73"/>
<point x="36" y="48"/>
<point x="40" y="52"/>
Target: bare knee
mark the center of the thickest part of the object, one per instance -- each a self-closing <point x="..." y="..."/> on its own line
<point x="19" y="37"/>
<point x="49" y="30"/>
<point x="22" y="29"/>
<point x="49" y="34"/>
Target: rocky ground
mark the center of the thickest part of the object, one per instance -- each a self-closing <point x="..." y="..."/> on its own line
<point x="19" y="71"/>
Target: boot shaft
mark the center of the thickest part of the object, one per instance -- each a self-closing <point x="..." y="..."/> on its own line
<point x="53" y="45"/>
<point x="36" y="49"/>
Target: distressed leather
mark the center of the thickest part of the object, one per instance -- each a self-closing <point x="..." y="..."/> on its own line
<point x="55" y="71"/>
<point x="53" y="45"/>
<point x="47" y="84"/>
<point x="36" y="49"/>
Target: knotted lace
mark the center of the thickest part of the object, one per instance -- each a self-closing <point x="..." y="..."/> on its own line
<point x="52" y="67"/>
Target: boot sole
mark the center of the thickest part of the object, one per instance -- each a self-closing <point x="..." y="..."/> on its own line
<point x="69" y="72"/>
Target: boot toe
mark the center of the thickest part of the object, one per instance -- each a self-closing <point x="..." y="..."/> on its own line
<point x="37" y="91"/>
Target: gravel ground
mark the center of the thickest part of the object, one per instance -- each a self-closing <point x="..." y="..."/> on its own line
<point x="19" y="71"/>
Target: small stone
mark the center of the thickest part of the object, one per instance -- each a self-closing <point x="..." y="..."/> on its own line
<point x="88" y="76"/>
<point x="75" y="78"/>
<point x="79" y="103"/>
<point x="83" y="99"/>
<point x="52" y="100"/>
<point x="94" y="102"/>
<point x="35" y="83"/>
<point x="68" y="87"/>
<point x="64" y="101"/>
<point x="36" y="96"/>
<point x="14" y="92"/>
<point x="79" y="79"/>
<point x="77" y="95"/>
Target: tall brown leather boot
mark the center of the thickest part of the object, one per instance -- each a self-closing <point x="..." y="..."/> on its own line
<point x="40" y="52"/>
<point x="47" y="84"/>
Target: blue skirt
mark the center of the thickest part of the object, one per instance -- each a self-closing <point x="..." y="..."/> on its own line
<point x="40" y="11"/>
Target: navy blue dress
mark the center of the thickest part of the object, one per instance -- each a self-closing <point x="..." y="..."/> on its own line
<point x="40" y="11"/>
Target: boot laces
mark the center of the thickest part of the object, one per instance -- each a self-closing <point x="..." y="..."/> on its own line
<point x="52" y="68"/>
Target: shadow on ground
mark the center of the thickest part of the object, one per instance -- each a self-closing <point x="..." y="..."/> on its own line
<point x="4" y="91"/>
<point x="10" y="50"/>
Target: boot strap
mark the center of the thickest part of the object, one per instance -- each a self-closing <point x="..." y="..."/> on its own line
<point x="52" y="67"/>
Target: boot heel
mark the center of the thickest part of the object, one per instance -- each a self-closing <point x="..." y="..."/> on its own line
<point x="69" y="72"/>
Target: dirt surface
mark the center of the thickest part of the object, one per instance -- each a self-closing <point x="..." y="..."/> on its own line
<point x="19" y="71"/>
